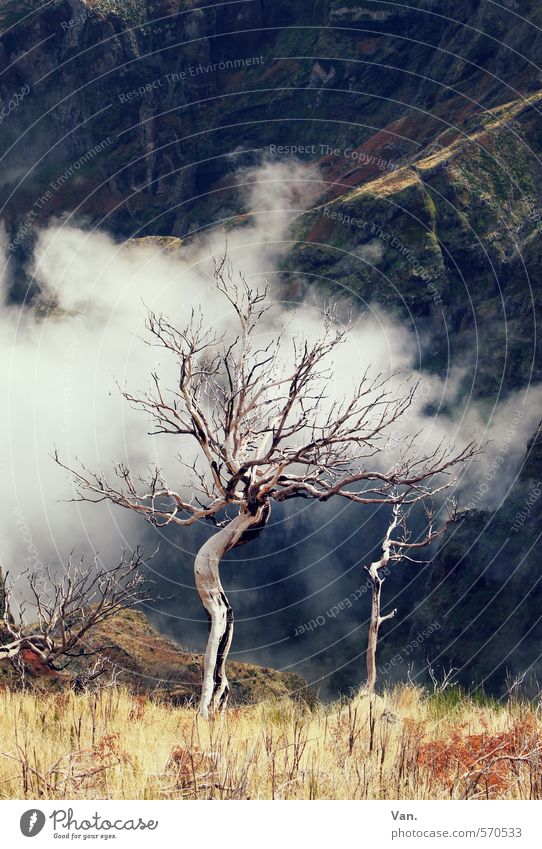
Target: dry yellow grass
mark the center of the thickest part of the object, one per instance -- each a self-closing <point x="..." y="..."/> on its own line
<point x="403" y="744"/>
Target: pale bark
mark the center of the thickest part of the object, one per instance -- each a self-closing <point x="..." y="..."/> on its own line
<point x="375" y="623"/>
<point x="215" y="689"/>
<point x="376" y="594"/>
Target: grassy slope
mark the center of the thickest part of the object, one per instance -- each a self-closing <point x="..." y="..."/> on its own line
<point x="403" y="744"/>
<point x="149" y="661"/>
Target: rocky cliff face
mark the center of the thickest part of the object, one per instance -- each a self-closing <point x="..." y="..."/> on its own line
<point x="451" y="237"/>
<point x="485" y="592"/>
<point x="173" y="95"/>
<point x="132" y="117"/>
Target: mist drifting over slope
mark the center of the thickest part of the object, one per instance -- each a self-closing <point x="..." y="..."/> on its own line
<point x="70" y="351"/>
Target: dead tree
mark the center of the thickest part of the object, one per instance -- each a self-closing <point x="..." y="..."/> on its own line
<point x="397" y="545"/>
<point x="265" y="429"/>
<point x="5" y="612"/>
<point x="58" y="613"/>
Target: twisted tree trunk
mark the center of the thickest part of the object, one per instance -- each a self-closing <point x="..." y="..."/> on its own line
<point x="215" y="689"/>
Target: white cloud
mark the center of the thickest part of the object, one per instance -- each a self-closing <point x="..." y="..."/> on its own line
<point x="59" y="381"/>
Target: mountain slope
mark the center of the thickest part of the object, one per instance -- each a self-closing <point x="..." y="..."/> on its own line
<point x="147" y="662"/>
<point x="166" y="96"/>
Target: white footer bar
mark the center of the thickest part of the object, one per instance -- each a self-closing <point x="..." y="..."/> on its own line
<point x="244" y="824"/>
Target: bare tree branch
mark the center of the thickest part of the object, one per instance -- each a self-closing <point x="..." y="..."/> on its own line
<point x="260" y="414"/>
<point x="66" y="609"/>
